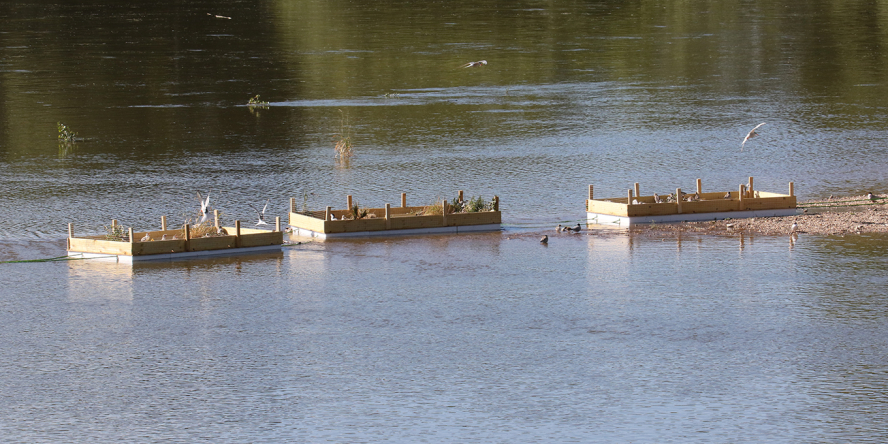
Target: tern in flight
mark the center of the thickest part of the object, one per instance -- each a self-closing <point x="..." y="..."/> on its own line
<point x="204" y="204"/>
<point x="261" y="214"/>
<point x="751" y="134"/>
<point x="474" y="64"/>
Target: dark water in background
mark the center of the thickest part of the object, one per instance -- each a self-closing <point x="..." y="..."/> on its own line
<point x="484" y="338"/>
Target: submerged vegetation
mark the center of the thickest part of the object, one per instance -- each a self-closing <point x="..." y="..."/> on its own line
<point x="65" y="133"/>
<point x="254" y="102"/>
<point x="66" y="139"/>
<point x="254" y="105"/>
<point x="343" y="148"/>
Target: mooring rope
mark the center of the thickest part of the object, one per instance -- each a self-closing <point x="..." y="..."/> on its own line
<point x="51" y="259"/>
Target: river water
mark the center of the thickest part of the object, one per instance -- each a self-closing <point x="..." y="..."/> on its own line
<point x="605" y="336"/>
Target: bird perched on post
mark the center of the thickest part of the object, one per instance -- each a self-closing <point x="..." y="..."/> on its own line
<point x="474" y="64"/>
<point x="751" y="134"/>
<point x="544" y="239"/>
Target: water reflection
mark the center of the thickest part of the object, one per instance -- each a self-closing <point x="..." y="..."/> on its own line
<point x="488" y="337"/>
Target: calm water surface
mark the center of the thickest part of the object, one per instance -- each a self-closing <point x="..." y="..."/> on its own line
<point x="600" y="337"/>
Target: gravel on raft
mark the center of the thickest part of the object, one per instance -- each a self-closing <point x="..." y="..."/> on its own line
<point x="832" y="216"/>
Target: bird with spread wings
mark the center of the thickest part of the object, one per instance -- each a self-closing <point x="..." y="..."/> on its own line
<point x="751" y="134"/>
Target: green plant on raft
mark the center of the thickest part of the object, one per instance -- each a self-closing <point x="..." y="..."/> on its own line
<point x="476" y="204"/>
<point x="116" y="232"/>
<point x="457" y="205"/>
<point x="356" y="212"/>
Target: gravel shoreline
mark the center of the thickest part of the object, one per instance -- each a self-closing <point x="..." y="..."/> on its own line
<point x="832" y="216"/>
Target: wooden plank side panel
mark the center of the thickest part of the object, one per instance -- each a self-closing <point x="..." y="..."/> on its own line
<point x="606" y="207"/>
<point x="213" y="243"/>
<point x="479" y="218"/>
<point x="406" y="223"/>
<point x="302" y="221"/>
<point x="402" y="211"/>
<point x="100" y="246"/>
<point x="709" y="206"/>
<point x="769" y="203"/>
<point x="353" y="226"/>
<point x="652" y="209"/>
<point x="261" y="239"/>
<point x="158" y="247"/>
<point x="243" y="231"/>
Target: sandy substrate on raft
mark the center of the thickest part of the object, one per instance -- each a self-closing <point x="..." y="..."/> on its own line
<point x="832" y="216"/>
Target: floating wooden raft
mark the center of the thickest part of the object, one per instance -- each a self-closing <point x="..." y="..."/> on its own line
<point x="239" y="240"/>
<point x="391" y="221"/>
<point x="744" y="203"/>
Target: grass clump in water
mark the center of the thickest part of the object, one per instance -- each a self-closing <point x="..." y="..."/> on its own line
<point x="343" y="148"/>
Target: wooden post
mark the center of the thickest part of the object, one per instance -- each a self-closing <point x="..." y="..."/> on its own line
<point x="678" y="200"/>
<point x="460" y="195"/>
<point x="292" y="204"/>
<point x="699" y="186"/>
<point x="629" y="198"/>
<point x="751" y="193"/>
<point x="388" y="216"/>
<point x="131" y="235"/>
<point x="740" y="192"/>
<point x="791" y="189"/>
<point x="637" y="190"/>
<point x="70" y="230"/>
<point x="348" y="201"/>
<point x="163" y="223"/>
<point x="444" y="211"/>
<point x="277" y="223"/>
<point x="403" y="200"/>
<point x="495" y="203"/>
<point x="590" y="193"/>
<point x="237" y="239"/>
<point x="327" y="215"/>
<point x="216" y="218"/>
<point x="187" y="237"/>
<point x="113" y="223"/>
